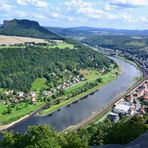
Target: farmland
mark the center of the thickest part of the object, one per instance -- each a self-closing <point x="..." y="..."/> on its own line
<point x="12" y="40"/>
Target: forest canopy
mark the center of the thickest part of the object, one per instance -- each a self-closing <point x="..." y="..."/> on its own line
<point x="19" y="67"/>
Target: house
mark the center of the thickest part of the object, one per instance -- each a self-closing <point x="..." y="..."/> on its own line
<point x="142" y="110"/>
<point x="141" y="93"/>
<point x="21" y="94"/>
<point x="47" y="93"/>
<point x="59" y="87"/>
<point x="33" y="94"/>
<point x="132" y="109"/>
<point x="129" y="98"/>
<point x="7" y="93"/>
<point x="122" y="109"/>
<point x="145" y="99"/>
<point x="10" y="92"/>
<point x="146" y="91"/>
<point x="102" y="70"/>
<point x="135" y="94"/>
<point x="33" y="100"/>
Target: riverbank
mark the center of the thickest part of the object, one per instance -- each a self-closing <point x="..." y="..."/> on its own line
<point x="77" y="112"/>
<point x="3" y="127"/>
<point x="21" y="117"/>
<point x="134" y="64"/>
<point x="106" y="78"/>
<point x="97" y="115"/>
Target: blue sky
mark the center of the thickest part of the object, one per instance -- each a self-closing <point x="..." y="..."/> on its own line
<point x="126" y="14"/>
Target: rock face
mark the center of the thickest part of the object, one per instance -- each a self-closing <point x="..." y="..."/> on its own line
<point x="21" y="23"/>
<point x="26" y="28"/>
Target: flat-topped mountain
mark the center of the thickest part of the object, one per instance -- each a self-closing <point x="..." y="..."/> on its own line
<point x="26" y="28"/>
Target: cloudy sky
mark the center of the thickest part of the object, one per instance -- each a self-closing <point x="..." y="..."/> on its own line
<point x="127" y="14"/>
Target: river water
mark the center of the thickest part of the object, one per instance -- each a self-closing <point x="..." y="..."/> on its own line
<point x="81" y="109"/>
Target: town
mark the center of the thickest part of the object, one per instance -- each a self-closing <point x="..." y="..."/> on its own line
<point x="135" y="103"/>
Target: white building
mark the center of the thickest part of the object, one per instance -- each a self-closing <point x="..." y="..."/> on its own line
<point x="121" y="108"/>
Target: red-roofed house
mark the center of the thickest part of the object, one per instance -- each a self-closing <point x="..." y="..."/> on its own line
<point x="129" y="98"/>
<point x="145" y="99"/>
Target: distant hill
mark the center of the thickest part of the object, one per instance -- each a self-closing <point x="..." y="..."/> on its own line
<point x="83" y="32"/>
<point x="26" y="28"/>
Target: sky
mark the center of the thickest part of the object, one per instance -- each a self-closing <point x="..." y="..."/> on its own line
<point x="120" y="14"/>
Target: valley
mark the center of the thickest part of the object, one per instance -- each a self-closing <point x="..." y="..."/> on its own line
<point x="51" y="72"/>
<point x="87" y="83"/>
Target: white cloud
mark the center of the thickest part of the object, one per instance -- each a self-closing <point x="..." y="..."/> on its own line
<point x="5" y="6"/>
<point x="36" y="3"/>
<point x="107" y="7"/>
<point x="39" y="16"/>
<point x="127" y="17"/>
<point x="55" y="15"/>
<point x="143" y="19"/>
<point x="128" y="3"/>
<point x="90" y="10"/>
<point x="80" y="8"/>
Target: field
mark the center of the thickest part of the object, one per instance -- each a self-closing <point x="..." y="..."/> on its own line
<point x="61" y="45"/>
<point x="17" y="112"/>
<point x="12" y="40"/>
<point x="136" y="43"/>
<point x="91" y="76"/>
<point x="38" y="84"/>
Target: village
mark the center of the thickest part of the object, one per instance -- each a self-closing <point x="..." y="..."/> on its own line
<point x="135" y="103"/>
<point x="32" y="97"/>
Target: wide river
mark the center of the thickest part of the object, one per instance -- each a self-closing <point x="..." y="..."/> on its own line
<point x="81" y="109"/>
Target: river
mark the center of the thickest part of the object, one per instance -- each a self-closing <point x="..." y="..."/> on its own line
<point x="81" y="109"/>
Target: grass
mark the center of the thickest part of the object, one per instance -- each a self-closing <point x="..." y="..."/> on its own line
<point x="75" y="87"/>
<point x="24" y="109"/>
<point x="92" y="76"/>
<point x="61" y="46"/>
<point x="38" y="84"/>
<point x="136" y="43"/>
<point x="65" y="45"/>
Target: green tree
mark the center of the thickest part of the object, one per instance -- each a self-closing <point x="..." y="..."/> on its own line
<point x="124" y="132"/>
<point x="74" y="141"/>
<point x="35" y="137"/>
<point x="9" y="109"/>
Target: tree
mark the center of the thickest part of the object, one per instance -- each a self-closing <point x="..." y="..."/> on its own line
<point x="124" y="132"/>
<point x="35" y="137"/>
<point x="9" y="109"/>
<point x="74" y="141"/>
<point x="97" y="138"/>
<point x="99" y="80"/>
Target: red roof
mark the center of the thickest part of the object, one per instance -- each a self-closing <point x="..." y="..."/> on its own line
<point x="146" y="97"/>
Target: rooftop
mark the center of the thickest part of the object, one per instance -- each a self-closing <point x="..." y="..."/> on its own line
<point x="122" y="107"/>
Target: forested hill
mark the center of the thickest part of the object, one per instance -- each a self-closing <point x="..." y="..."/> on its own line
<point x="127" y="43"/>
<point x="82" y="32"/>
<point x="26" y="28"/>
<point x="20" y="66"/>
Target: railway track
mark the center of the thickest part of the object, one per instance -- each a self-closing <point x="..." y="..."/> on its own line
<point x="94" y="115"/>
